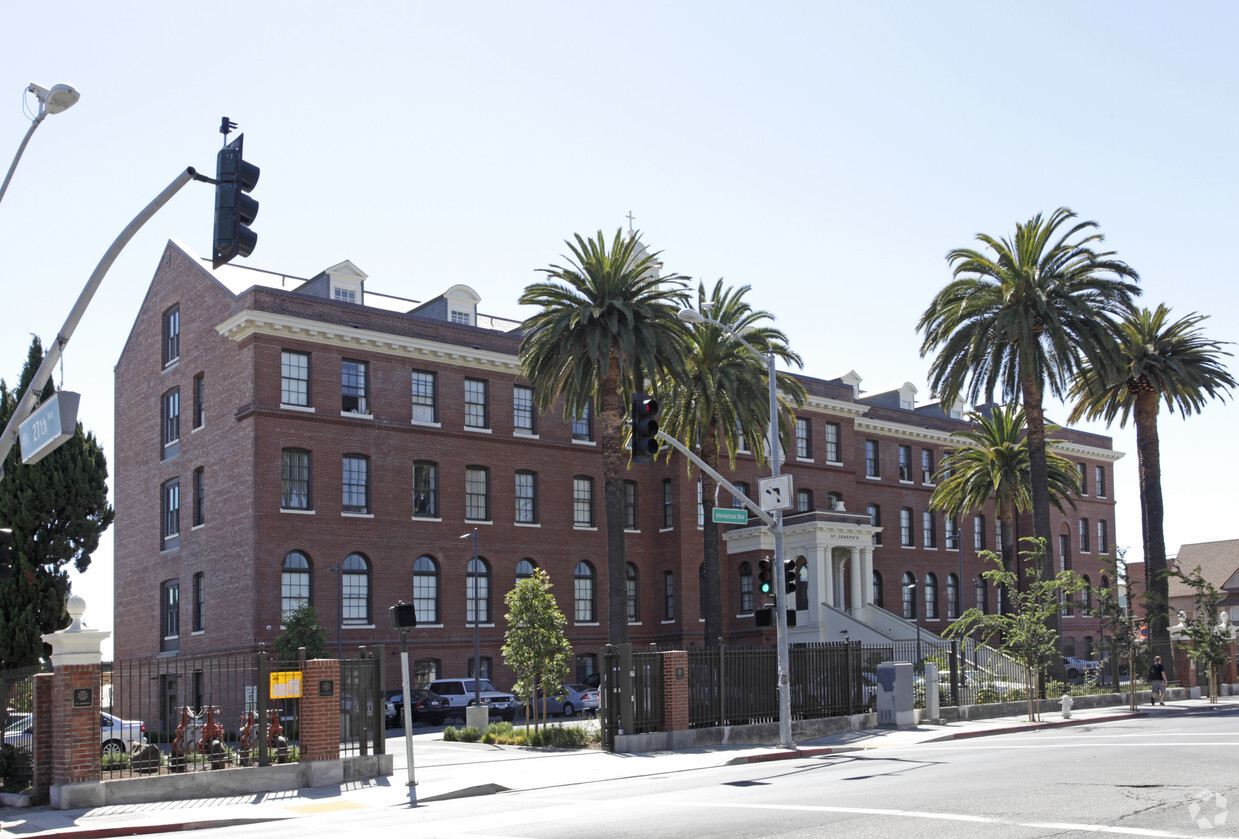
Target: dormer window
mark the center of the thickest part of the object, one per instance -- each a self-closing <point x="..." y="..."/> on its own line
<point x="462" y="318"/>
<point x="347" y="295"/>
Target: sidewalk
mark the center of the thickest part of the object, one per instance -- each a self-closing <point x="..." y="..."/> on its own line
<point x="453" y="770"/>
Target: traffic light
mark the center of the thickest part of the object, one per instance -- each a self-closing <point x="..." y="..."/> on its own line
<point x="644" y="427"/>
<point x="765" y="581"/>
<point x="234" y="210"/>
<point x="6" y="553"/>
<point x="790" y="574"/>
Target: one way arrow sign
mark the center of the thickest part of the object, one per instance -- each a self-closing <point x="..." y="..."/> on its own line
<point x="776" y="493"/>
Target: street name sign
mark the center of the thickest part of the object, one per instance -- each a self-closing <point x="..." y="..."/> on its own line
<point x="51" y="424"/>
<point x="729" y="515"/>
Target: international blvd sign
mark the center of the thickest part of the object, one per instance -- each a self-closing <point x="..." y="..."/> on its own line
<point x="52" y="423"/>
<point x="729" y="515"/>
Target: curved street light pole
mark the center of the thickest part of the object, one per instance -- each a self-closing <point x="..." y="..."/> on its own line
<point x="51" y="101"/>
<point x="780" y="594"/>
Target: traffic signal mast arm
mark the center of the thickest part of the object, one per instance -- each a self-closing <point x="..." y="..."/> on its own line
<point x="701" y="464"/>
<point x="31" y="396"/>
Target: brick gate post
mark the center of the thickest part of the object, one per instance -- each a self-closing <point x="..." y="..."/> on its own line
<point x="675" y="690"/>
<point x="320" y="710"/>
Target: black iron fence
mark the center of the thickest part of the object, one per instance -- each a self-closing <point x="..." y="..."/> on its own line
<point x="362" y="716"/>
<point x="17" y="694"/>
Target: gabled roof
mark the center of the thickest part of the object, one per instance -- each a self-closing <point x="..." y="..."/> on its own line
<point x="1218" y="561"/>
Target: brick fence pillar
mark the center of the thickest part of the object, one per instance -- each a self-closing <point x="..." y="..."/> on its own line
<point x="74" y="703"/>
<point x="320" y="710"/>
<point x="1184" y="668"/>
<point x="1227" y="676"/>
<point x="675" y="690"/>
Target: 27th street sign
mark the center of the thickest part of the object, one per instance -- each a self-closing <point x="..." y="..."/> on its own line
<point x="51" y="424"/>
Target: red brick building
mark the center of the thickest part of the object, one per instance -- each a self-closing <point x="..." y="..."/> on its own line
<point x="281" y="440"/>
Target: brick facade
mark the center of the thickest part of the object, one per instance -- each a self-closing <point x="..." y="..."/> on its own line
<point x="234" y="340"/>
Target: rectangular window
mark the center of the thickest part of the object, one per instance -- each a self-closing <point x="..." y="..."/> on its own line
<point x="950" y="533"/>
<point x="526" y="498"/>
<point x="425" y="490"/>
<point x="832" y="442"/>
<point x="477" y="493"/>
<point x="1099" y="481"/>
<point x="668" y="596"/>
<point x="344" y="295"/>
<point x="1084" y="536"/>
<point x="295" y="479"/>
<point x="1103" y="537"/>
<point x="583" y="426"/>
<point x="804" y="500"/>
<point x="871" y="459"/>
<point x="978" y="533"/>
<point x="875" y="519"/>
<point x="667" y="519"/>
<point x="356" y="484"/>
<point x="475" y="404"/>
<point x="744" y="488"/>
<point x="905" y="527"/>
<point x="170" y="616"/>
<point x="582" y="501"/>
<point x="424" y="397"/>
<point x="522" y="410"/>
<point x="171" y="423"/>
<point x="630" y="505"/>
<point x="459" y="317"/>
<point x="701" y="510"/>
<point x="746" y="589"/>
<point x="199" y="400"/>
<point x="199" y="602"/>
<point x="927" y="466"/>
<point x="929" y="530"/>
<point x="171" y="494"/>
<point x="804" y="438"/>
<point x="834" y="501"/>
<point x="171" y="335"/>
<point x="295" y="378"/>
<point x="905" y="463"/>
<point x="354" y="387"/>
<point x="1083" y="467"/>
<point x="199" y="496"/>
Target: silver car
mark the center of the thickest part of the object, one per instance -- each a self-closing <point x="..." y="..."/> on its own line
<point x="569" y="701"/>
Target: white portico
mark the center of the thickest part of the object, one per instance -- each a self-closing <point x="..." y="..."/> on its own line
<point x="834" y="553"/>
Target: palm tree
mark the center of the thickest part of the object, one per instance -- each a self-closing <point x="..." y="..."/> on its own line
<point x="606" y="325"/>
<point x="1022" y="321"/>
<point x="720" y="400"/>
<point x="993" y="461"/>
<point x="1153" y="360"/>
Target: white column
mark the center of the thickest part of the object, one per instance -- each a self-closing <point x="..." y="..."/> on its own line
<point x="866" y="564"/>
<point x="856" y="566"/>
<point x="826" y="566"/>
<point x="839" y="589"/>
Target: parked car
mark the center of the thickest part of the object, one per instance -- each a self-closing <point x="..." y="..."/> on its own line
<point x="459" y="694"/>
<point x="118" y="736"/>
<point x="426" y="707"/>
<point x="1077" y="667"/>
<point x="570" y="700"/>
<point x="19" y="731"/>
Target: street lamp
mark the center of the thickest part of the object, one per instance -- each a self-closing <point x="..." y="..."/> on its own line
<point x="916" y="610"/>
<point x="780" y="596"/>
<point x="339" y="572"/>
<point x="58" y="98"/>
<point x="477" y="647"/>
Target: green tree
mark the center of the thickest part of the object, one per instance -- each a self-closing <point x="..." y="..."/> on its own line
<point x="57" y="509"/>
<point x="1020" y="319"/>
<point x="1152" y="360"/>
<point x="992" y="461"/>
<point x="534" y="647"/>
<point x="1209" y="632"/>
<point x="302" y="628"/>
<point x="721" y="400"/>
<point x="606" y="324"/>
<point x="1119" y="622"/>
<point x="1027" y="633"/>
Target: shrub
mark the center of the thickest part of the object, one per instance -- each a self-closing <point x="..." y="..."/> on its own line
<point x="15" y="768"/>
<point x="470" y="734"/>
<point x="451" y="734"/>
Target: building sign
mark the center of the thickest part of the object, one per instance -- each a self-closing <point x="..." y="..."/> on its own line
<point x="52" y="423"/>
<point x="286" y="684"/>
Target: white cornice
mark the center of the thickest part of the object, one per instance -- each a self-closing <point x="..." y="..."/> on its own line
<point x="247" y="323"/>
<point x="909" y="432"/>
<point x="835" y="406"/>
<point x="1066" y="448"/>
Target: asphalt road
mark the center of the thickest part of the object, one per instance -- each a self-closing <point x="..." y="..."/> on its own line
<point x="1161" y="777"/>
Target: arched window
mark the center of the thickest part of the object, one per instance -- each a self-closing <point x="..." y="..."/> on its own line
<point x="877" y="589"/>
<point x="1086" y="596"/>
<point x="931" y="597"/>
<point x="525" y="569"/>
<point x="583" y="593"/>
<point x="477" y="591"/>
<point x="356" y="585"/>
<point x="952" y="597"/>
<point x="630" y="581"/>
<point x="978" y="594"/>
<point x="746" y="588"/>
<point x="909" y="595"/>
<point x="294" y="582"/>
<point x="426" y="590"/>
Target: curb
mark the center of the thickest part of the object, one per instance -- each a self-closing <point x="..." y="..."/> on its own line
<point x="1037" y="726"/>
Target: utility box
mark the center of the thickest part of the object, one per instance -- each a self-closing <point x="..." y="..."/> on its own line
<point x="895" y="694"/>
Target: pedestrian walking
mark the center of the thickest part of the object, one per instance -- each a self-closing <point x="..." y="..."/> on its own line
<point x="1157" y="680"/>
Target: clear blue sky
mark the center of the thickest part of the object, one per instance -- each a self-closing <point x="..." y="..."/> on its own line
<point x="827" y="154"/>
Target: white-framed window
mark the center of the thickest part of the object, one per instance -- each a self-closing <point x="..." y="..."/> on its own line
<point x="354" y="387"/>
<point x="804" y="438"/>
<point x="477" y="493"/>
<point x="746" y="588"/>
<point x="804" y="500"/>
<point x="909" y="596"/>
<point x="426" y="589"/>
<point x="526" y="497"/>
<point x="356" y="483"/>
<point x="630" y="505"/>
<point x="356" y="588"/>
<point x="931" y="597"/>
<point x="171" y="335"/>
<point x="585" y="600"/>
<point x="170" y="615"/>
<point x="832" y="442"/>
<point x="872" y="463"/>
<point x="1103" y="537"/>
<point x="294" y="378"/>
<point x="425" y="489"/>
<point x="905" y="463"/>
<point x="424" y="401"/>
<point x="1099" y="481"/>
<point x="475" y="404"/>
<point x="978" y="533"/>
<point x="929" y="529"/>
<point x="1084" y="536"/>
<point x="171" y="423"/>
<point x="927" y="466"/>
<point x="583" y="501"/>
<point x="631" y="592"/>
<point x="171" y="508"/>
<point x="523" y="415"/>
<point x="477" y="591"/>
<point x="294" y="583"/>
<point x="905" y="527"/>
<point x="952" y="597"/>
<point x="583" y="426"/>
<point x="295" y="479"/>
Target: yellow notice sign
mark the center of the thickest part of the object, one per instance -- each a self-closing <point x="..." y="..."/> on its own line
<point x="286" y="684"/>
